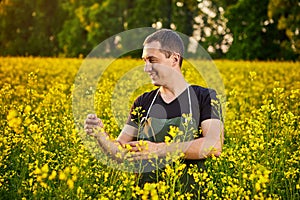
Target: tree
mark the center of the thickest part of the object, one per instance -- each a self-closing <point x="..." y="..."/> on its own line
<point x="259" y="29"/>
<point x="178" y="15"/>
<point x="142" y="13"/>
<point x="14" y="30"/>
<point x="253" y="37"/>
<point x="286" y="15"/>
<point x="73" y="35"/>
<point x="183" y="16"/>
<point x="90" y="23"/>
<point x="211" y="29"/>
<point x="29" y="28"/>
<point x="255" y="34"/>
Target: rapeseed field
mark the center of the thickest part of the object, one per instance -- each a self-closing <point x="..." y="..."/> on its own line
<point x="42" y="155"/>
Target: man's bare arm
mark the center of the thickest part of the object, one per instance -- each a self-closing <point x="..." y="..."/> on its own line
<point x="210" y="144"/>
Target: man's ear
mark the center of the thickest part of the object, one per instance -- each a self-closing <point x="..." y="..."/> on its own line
<point x="175" y="58"/>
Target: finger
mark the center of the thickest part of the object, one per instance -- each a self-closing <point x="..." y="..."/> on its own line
<point x="89" y="131"/>
<point x="135" y="149"/>
<point x="100" y="123"/>
<point x="97" y="122"/>
<point x="89" y="126"/>
<point x="92" y="121"/>
<point x="133" y="143"/>
<point x="91" y="116"/>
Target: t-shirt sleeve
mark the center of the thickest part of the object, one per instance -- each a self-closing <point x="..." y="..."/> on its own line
<point x="210" y="107"/>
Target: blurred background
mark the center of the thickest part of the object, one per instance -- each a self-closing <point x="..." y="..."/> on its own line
<point x="227" y="29"/>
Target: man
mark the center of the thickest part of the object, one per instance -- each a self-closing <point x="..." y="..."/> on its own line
<point x="170" y="105"/>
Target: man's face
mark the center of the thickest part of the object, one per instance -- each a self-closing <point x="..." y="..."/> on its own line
<point x="156" y="64"/>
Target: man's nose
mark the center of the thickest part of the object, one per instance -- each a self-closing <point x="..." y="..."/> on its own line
<point x="148" y="67"/>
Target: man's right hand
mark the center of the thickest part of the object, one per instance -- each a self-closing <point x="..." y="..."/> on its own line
<point x="92" y="123"/>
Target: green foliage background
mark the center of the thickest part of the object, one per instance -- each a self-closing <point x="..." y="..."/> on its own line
<point x="251" y="29"/>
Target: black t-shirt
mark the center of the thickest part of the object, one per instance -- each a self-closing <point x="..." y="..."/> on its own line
<point x="196" y="99"/>
<point x="201" y="106"/>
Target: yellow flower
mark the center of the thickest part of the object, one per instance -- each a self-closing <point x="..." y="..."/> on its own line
<point x="74" y="170"/>
<point x="70" y="183"/>
<point x="128" y="147"/>
<point x="15" y="122"/>
<point x="67" y="170"/>
<point x="44" y="185"/>
<point x="257" y="186"/>
<point x="45" y="168"/>
<point x="27" y="109"/>
<point x="12" y="114"/>
<point x="52" y="175"/>
<point x="62" y="176"/>
<point x="173" y="131"/>
<point x="44" y="175"/>
<point x="106" y="176"/>
<point x="80" y="191"/>
<point x="39" y="179"/>
<point x="74" y="178"/>
<point x="252" y="75"/>
<point x="37" y="171"/>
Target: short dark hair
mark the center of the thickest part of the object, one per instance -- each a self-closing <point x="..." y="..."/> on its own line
<point x="170" y="42"/>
